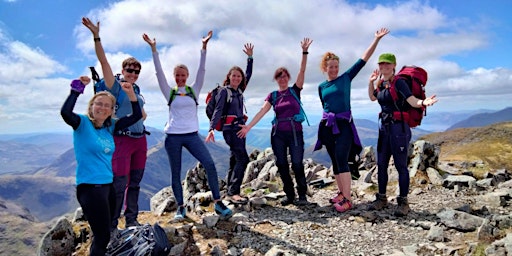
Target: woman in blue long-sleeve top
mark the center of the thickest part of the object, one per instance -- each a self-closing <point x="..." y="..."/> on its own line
<point x="93" y="142"/>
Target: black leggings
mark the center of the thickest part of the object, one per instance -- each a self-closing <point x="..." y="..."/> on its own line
<point x="96" y="202"/>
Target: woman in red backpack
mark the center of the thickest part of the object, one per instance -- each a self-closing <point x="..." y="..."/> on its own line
<point x="394" y="133"/>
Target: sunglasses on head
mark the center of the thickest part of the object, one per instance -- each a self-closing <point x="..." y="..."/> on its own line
<point x="132" y="71"/>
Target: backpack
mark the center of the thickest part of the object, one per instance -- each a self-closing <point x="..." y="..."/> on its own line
<point x="189" y="92"/>
<point x="142" y="240"/>
<point x="416" y="79"/>
<point x="211" y="103"/>
<point x="300" y="117"/>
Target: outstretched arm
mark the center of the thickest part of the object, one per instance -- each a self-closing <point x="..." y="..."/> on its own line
<point x="199" y="81"/>
<point x="305" y="46"/>
<point x="108" y="75"/>
<point x="378" y="35"/>
<point x="245" y="128"/>
<point x="417" y="103"/>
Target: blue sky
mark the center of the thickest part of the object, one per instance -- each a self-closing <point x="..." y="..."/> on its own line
<point x="464" y="45"/>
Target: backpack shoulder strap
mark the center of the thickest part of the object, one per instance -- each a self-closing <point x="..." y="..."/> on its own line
<point x="274" y="98"/>
<point x="172" y="94"/>
<point x="191" y="93"/>
<point x="300" y="103"/>
<point x="229" y="94"/>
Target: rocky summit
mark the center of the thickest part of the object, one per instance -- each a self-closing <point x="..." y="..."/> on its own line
<point x="453" y="212"/>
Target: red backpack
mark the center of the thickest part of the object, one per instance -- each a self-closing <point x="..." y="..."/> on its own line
<point x="416" y="78"/>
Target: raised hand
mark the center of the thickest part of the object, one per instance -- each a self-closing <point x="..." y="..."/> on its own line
<point x="207" y="37"/>
<point x="85" y="80"/>
<point x="375" y="75"/>
<point x="382" y="32"/>
<point x="128" y="89"/>
<point x="248" y="49"/>
<point x="151" y="42"/>
<point x="95" y="29"/>
<point x="305" y="44"/>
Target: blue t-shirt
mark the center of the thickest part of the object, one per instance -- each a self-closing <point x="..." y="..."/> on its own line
<point x="93" y="151"/>
<point x="335" y="94"/>
<point x="286" y="106"/>
<point x="125" y="107"/>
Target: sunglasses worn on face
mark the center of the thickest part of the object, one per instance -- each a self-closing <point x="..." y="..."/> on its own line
<point x="132" y="71"/>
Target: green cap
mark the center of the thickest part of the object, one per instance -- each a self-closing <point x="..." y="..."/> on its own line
<point x="388" y="58"/>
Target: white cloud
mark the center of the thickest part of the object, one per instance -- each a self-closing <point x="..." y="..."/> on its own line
<point x="420" y="35"/>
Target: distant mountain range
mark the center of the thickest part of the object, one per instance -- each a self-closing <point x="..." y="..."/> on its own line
<point x="37" y="170"/>
<point x="483" y="119"/>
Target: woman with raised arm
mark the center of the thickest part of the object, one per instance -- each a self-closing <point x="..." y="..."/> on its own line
<point x="230" y="108"/>
<point x="337" y="130"/>
<point x="129" y="160"/>
<point x="183" y="125"/>
<point x="286" y="135"/>
<point x="93" y="141"/>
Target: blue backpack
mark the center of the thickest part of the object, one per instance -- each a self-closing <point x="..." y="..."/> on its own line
<point x="300" y="117"/>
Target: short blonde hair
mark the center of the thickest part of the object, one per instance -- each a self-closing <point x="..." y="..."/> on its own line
<point x="183" y="66"/>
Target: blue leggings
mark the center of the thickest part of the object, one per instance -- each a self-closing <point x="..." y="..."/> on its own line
<point x="174" y="144"/>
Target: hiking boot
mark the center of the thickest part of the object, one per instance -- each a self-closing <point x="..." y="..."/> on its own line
<point x="381" y="202"/>
<point x="286" y="201"/>
<point x="403" y="207"/>
<point x="132" y="223"/>
<point x="180" y="213"/>
<point x="343" y="206"/>
<point x="222" y="210"/>
<point x="302" y="201"/>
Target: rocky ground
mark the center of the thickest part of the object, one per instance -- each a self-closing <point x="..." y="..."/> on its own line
<point x="453" y="213"/>
<point x="317" y="229"/>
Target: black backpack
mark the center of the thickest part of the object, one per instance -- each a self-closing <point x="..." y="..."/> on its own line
<point x="142" y="240"/>
<point x="211" y="103"/>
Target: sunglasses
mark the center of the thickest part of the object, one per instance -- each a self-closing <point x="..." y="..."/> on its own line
<point x="132" y="71"/>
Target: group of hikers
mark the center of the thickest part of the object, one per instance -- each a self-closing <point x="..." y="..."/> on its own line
<point x="110" y="139"/>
